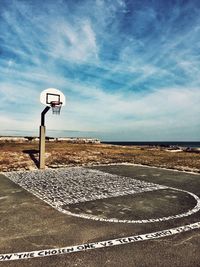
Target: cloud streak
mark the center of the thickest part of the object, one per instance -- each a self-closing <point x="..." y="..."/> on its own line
<point x="129" y="69"/>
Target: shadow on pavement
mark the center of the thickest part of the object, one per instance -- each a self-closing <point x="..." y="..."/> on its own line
<point x="32" y="154"/>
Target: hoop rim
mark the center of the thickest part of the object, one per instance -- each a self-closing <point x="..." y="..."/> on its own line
<point x="56" y="103"/>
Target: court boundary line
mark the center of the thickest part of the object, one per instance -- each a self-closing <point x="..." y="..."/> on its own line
<point x="58" y="206"/>
<point x="98" y="244"/>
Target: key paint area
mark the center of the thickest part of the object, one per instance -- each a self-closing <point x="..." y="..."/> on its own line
<point x="68" y="189"/>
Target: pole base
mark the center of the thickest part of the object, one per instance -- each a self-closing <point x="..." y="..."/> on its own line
<point x="42" y="147"/>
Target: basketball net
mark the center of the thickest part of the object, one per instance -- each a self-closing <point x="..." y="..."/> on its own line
<point x="56" y="107"/>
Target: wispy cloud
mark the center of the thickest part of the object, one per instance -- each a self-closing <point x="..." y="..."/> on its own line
<point x="129" y="69"/>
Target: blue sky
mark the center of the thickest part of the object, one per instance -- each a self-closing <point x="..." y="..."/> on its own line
<point x="130" y="69"/>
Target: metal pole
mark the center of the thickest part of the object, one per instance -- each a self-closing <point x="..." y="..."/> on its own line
<point x="42" y="139"/>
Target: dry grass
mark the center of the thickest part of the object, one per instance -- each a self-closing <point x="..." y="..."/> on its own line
<point x="20" y="156"/>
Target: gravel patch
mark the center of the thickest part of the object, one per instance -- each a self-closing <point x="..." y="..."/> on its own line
<point x="77" y="184"/>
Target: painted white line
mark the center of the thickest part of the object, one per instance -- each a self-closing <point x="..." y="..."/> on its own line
<point x="196" y="172"/>
<point x="114" y="220"/>
<point x="72" y="185"/>
<point x="99" y="244"/>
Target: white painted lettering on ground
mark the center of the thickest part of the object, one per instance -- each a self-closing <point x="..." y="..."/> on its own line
<point x="99" y="244"/>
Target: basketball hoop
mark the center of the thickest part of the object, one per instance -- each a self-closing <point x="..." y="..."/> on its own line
<point x="51" y="98"/>
<point x="56" y="107"/>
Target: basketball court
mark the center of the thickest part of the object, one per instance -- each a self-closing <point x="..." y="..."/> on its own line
<point x="117" y="215"/>
<point x="111" y="215"/>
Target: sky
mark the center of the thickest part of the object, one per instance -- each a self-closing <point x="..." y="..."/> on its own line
<point x="130" y="69"/>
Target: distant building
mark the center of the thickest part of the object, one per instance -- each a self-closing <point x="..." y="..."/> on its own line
<point x="77" y="140"/>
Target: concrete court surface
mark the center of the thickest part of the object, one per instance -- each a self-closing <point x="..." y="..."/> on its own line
<point x="31" y="224"/>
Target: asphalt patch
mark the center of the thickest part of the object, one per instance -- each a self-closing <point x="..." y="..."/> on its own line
<point x="154" y="204"/>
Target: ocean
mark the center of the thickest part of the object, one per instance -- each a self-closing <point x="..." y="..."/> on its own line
<point x="193" y="144"/>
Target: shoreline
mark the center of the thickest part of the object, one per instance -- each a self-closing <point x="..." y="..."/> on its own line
<point x="184" y="145"/>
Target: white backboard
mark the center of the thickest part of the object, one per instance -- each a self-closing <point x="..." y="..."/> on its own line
<point x="51" y="94"/>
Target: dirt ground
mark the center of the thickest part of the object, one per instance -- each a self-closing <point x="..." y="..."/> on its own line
<point x="24" y="156"/>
